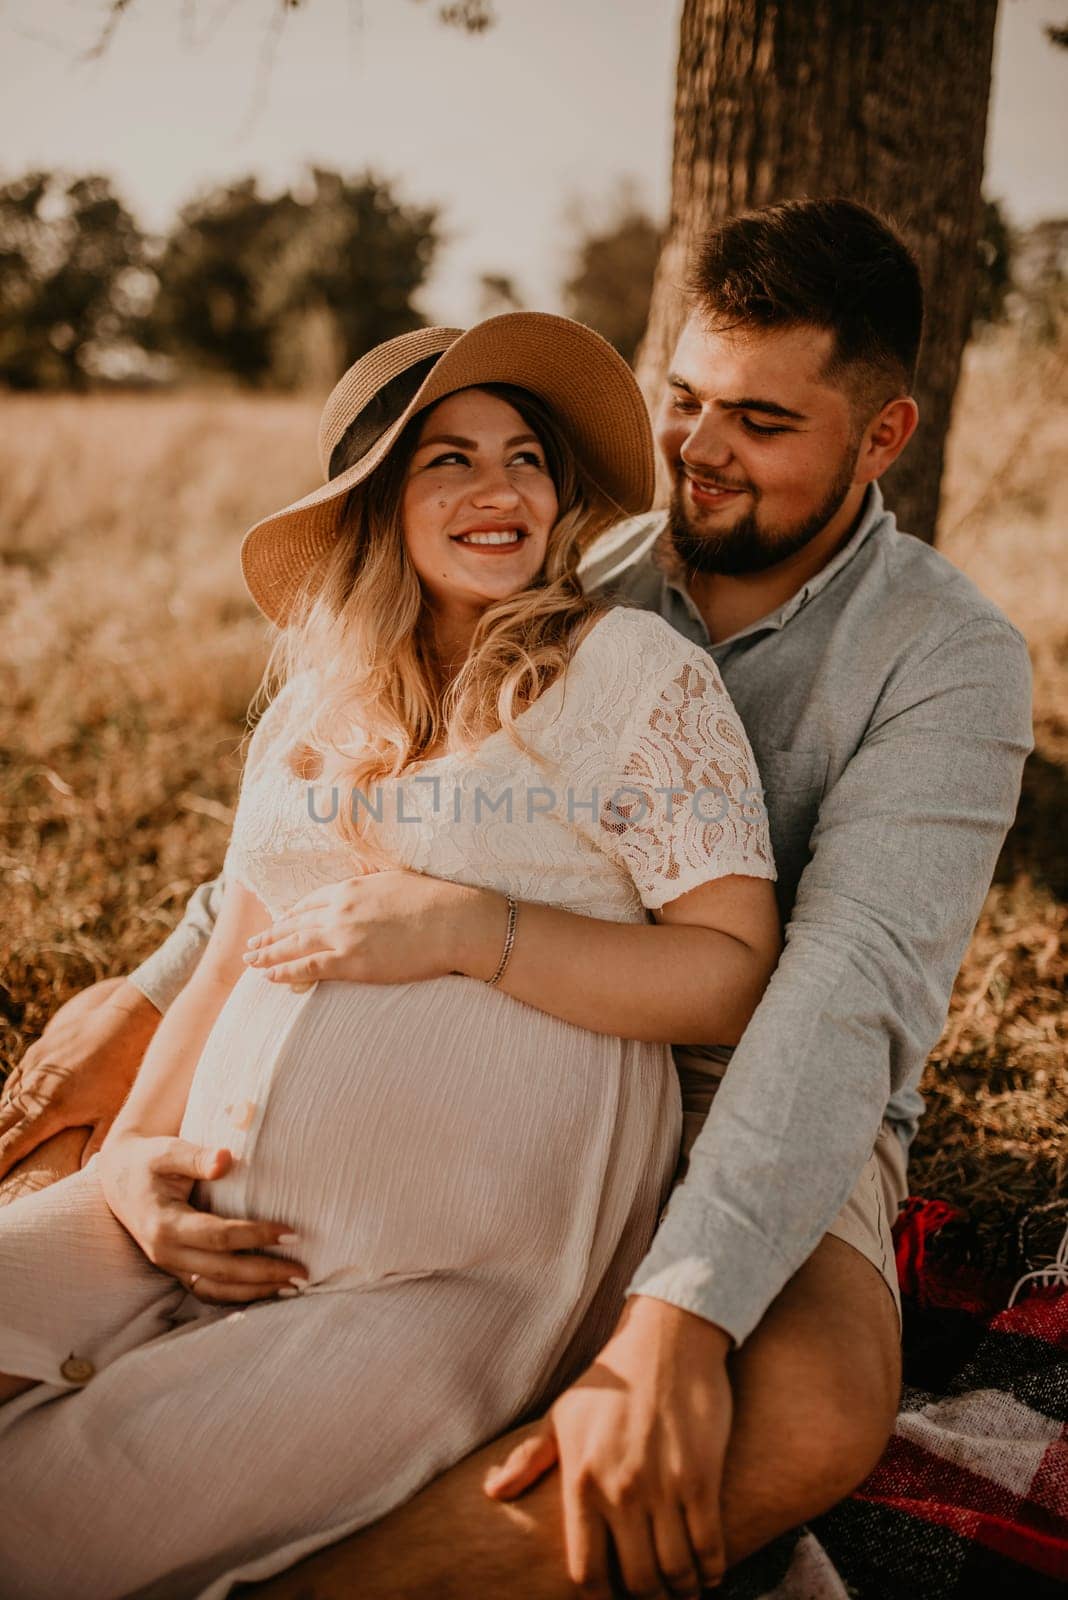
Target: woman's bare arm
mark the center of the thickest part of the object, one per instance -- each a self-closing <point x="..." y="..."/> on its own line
<point x="156" y="1103"/>
<point x="693" y="977"/>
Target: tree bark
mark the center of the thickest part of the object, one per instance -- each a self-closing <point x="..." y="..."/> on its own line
<point x="884" y="101"/>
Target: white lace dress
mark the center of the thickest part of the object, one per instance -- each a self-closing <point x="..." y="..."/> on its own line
<point x="473" y="1181"/>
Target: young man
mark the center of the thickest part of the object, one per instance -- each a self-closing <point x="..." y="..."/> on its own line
<point x="753" y="1378"/>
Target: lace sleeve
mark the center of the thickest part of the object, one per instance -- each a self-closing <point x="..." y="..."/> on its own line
<point x="687" y="804"/>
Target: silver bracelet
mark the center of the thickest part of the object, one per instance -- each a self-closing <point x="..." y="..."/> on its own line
<point x="509" y="940"/>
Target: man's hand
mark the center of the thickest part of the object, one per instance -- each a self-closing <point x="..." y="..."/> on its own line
<point x="395" y="926"/>
<point x="147" y="1181"/>
<point x="640" y="1441"/>
<point x="79" y="1072"/>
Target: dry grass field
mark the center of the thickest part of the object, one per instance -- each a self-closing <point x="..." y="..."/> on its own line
<point x="129" y="651"/>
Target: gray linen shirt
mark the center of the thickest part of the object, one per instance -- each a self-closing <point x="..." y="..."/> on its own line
<point x="888" y="703"/>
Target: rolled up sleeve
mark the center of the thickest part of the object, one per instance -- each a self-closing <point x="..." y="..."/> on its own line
<point x="902" y="856"/>
<point x="163" y="974"/>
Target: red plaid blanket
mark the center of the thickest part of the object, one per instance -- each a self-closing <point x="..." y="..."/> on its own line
<point x="970" y="1500"/>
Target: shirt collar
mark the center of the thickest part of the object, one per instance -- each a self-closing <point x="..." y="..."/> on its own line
<point x="677" y="597"/>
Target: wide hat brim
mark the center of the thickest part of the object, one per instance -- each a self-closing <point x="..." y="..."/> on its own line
<point x="586" y="382"/>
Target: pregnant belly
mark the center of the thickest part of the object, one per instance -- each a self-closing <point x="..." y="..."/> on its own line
<point x="419" y="1127"/>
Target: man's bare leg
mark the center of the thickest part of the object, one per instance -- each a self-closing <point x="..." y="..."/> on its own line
<point x="54" y="1159"/>
<point x="815" y="1391"/>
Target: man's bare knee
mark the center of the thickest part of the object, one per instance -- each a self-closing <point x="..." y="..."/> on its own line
<point x="829" y="1460"/>
<point x="816" y="1389"/>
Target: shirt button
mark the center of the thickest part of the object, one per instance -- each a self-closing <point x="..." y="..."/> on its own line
<point x="77" y="1370"/>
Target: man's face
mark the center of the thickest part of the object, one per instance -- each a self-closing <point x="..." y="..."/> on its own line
<point x="761" y="449"/>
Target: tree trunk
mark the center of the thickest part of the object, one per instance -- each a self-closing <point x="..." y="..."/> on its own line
<point x="883" y="101"/>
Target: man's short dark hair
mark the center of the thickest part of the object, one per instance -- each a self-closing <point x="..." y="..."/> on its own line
<point x="832" y="263"/>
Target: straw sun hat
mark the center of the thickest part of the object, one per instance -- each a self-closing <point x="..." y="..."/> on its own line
<point x="588" y="385"/>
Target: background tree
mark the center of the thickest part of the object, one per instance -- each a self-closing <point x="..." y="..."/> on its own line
<point x="249" y="284"/>
<point x="71" y="260"/>
<point x="612" y="272"/>
<point x="498" y="293"/>
<point x="1039" y="296"/>
<point x="354" y="253"/>
<point x="993" y="269"/>
<point x="881" y="100"/>
<point x="207" y="314"/>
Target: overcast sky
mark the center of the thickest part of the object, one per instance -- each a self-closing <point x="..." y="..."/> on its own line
<point x="510" y="132"/>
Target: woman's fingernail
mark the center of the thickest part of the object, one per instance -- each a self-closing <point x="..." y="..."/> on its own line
<point x="287" y="1294"/>
<point x="300" y="1283"/>
<point x="288" y="1238"/>
<point x="254" y="940"/>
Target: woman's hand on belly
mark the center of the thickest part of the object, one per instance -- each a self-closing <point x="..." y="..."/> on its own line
<point x="396" y="926"/>
<point x="147" y="1182"/>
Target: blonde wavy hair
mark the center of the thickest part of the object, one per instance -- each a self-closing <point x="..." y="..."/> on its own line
<point x="362" y="626"/>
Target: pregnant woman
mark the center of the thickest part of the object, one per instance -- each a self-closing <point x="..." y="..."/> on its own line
<point x="421" y="1195"/>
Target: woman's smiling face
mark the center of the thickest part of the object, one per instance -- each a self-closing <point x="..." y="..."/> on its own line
<point x="478" y="503"/>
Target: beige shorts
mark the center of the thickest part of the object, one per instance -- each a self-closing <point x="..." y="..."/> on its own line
<point x="866" y="1219"/>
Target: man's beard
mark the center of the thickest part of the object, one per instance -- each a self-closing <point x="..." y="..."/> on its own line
<point x="747" y="546"/>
